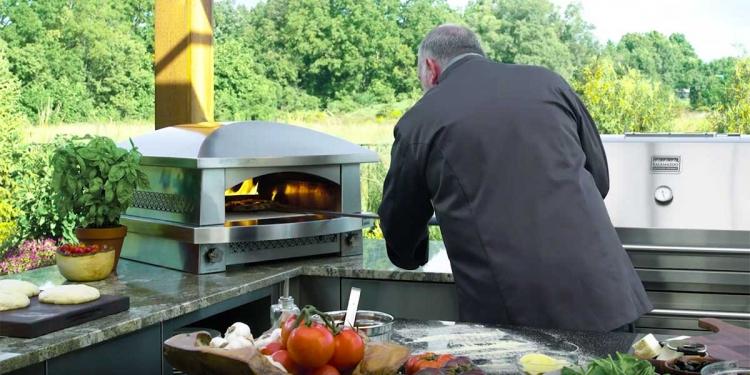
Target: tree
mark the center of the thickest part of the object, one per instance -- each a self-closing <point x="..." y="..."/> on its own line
<point x="625" y="103"/>
<point x="733" y="116"/>
<point x="80" y="60"/>
<point x="710" y="86"/>
<point x="669" y="59"/>
<point x="532" y="32"/>
<point x="10" y="151"/>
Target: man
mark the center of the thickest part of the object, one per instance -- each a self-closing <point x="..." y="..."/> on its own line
<point x="512" y="164"/>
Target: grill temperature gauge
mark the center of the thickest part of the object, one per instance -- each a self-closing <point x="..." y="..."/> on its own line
<point x="663" y="195"/>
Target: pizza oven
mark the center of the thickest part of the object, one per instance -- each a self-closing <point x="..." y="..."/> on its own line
<point x="246" y="192"/>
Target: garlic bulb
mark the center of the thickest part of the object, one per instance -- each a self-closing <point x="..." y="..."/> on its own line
<point x="237" y="342"/>
<point x="218" y="342"/>
<point x="239" y="329"/>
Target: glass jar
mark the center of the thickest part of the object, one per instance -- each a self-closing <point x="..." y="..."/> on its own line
<point x="282" y="310"/>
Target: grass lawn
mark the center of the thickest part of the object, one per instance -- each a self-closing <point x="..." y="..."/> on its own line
<point x="368" y="132"/>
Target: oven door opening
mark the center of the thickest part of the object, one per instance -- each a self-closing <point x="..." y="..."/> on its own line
<point x="280" y="198"/>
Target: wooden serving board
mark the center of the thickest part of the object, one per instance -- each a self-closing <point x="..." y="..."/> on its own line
<point x="727" y="343"/>
<point x="41" y="318"/>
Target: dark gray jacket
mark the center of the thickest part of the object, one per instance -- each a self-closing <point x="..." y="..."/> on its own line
<point x="512" y="163"/>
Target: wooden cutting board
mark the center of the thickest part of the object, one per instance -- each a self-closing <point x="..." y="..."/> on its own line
<point x="727" y="343"/>
<point x="41" y="318"/>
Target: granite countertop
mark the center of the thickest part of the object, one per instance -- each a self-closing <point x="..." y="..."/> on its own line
<point x="159" y="294"/>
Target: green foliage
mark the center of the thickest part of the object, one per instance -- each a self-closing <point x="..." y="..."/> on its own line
<point x="669" y="59"/>
<point x="95" y="180"/>
<point x="734" y="115"/>
<point x="710" y="86"/>
<point x="84" y="59"/>
<point x="533" y="32"/>
<point x="623" y="364"/>
<point x="10" y="150"/>
<point x="625" y="103"/>
<point x="35" y="198"/>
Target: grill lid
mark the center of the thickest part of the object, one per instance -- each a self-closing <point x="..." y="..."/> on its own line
<point x="246" y="144"/>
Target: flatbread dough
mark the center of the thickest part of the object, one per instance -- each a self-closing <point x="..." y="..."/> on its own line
<point x="25" y="287"/>
<point x="69" y="294"/>
<point x="13" y="300"/>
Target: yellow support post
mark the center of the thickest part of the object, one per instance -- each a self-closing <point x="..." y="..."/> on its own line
<point x="184" y="62"/>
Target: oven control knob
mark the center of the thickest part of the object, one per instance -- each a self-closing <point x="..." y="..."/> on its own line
<point x="214" y="255"/>
<point x="663" y="195"/>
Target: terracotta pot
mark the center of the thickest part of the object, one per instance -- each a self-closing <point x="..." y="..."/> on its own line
<point x="111" y="237"/>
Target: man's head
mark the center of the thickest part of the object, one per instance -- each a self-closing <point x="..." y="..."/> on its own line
<point x="439" y="47"/>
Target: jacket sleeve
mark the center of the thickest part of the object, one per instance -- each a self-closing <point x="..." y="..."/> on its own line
<point x="406" y="207"/>
<point x="591" y="143"/>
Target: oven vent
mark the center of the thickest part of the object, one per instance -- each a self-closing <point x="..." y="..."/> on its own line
<point x="245" y="246"/>
<point x="165" y="202"/>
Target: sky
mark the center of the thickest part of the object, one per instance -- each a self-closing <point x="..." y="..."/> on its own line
<point x="715" y="28"/>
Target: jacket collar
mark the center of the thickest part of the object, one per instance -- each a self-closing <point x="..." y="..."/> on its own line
<point x="456" y="62"/>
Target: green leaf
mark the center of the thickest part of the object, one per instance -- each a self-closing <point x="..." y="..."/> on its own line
<point x="116" y="173"/>
<point x="109" y="195"/>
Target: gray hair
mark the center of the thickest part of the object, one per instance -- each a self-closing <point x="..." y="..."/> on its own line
<point x="447" y="41"/>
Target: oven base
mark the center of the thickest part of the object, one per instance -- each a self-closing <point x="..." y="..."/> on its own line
<point x="210" y="258"/>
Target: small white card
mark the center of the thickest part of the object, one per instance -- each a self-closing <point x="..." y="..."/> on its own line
<point x="351" y="309"/>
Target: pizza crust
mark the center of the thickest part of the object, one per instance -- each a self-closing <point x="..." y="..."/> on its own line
<point x="69" y="294"/>
<point x="10" y="300"/>
<point x="24" y="287"/>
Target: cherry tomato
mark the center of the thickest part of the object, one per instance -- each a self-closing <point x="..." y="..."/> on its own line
<point x="426" y="360"/>
<point x="282" y="356"/>
<point x="311" y="347"/>
<point x="286" y="328"/>
<point x="325" y="370"/>
<point x="271" y="348"/>
<point x="349" y="350"/>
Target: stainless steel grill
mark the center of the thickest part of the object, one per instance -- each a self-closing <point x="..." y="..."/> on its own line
<point x="192" y="218"/>
<point x="681" y="206"/>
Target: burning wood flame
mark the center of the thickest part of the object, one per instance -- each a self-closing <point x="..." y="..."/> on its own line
<point x="248" y="187"/>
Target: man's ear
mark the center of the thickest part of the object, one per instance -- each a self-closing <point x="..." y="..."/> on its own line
<point x="434" y="68"/>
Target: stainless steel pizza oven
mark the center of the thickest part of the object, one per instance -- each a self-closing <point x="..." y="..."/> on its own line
<point x="224" y="194"/>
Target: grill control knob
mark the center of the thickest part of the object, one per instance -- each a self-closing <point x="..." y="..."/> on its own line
<point x="663" y="195"/>
<point x="214" y="255"/>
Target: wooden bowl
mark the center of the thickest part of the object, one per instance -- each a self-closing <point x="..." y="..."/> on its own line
<point x="91" y="267"/>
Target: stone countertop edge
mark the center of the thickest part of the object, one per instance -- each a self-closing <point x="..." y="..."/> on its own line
<point x="81" y="336"/>
<point x="155" y="306"/>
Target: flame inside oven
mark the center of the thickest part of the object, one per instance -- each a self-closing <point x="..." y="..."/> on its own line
<point x="295" y="190"/>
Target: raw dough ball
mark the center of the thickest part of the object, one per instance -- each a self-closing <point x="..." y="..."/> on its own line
<point x="24" y="287"/>
<point x="12" y="300"/>
<point x="69" y="294"/>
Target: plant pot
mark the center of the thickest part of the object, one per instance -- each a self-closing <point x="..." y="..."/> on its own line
<point x="90" y="267"/>
<point x="110" y="237"/>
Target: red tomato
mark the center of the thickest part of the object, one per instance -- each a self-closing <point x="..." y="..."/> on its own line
<point x="311" y="347"/>
<point x="286" y="328"/>
<point x="325" y="370"/>
<point x="349" y="350"/>
<point x="271" y="348"/>
<point x="426" y="360"/>
<point x="282" y="356"/>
